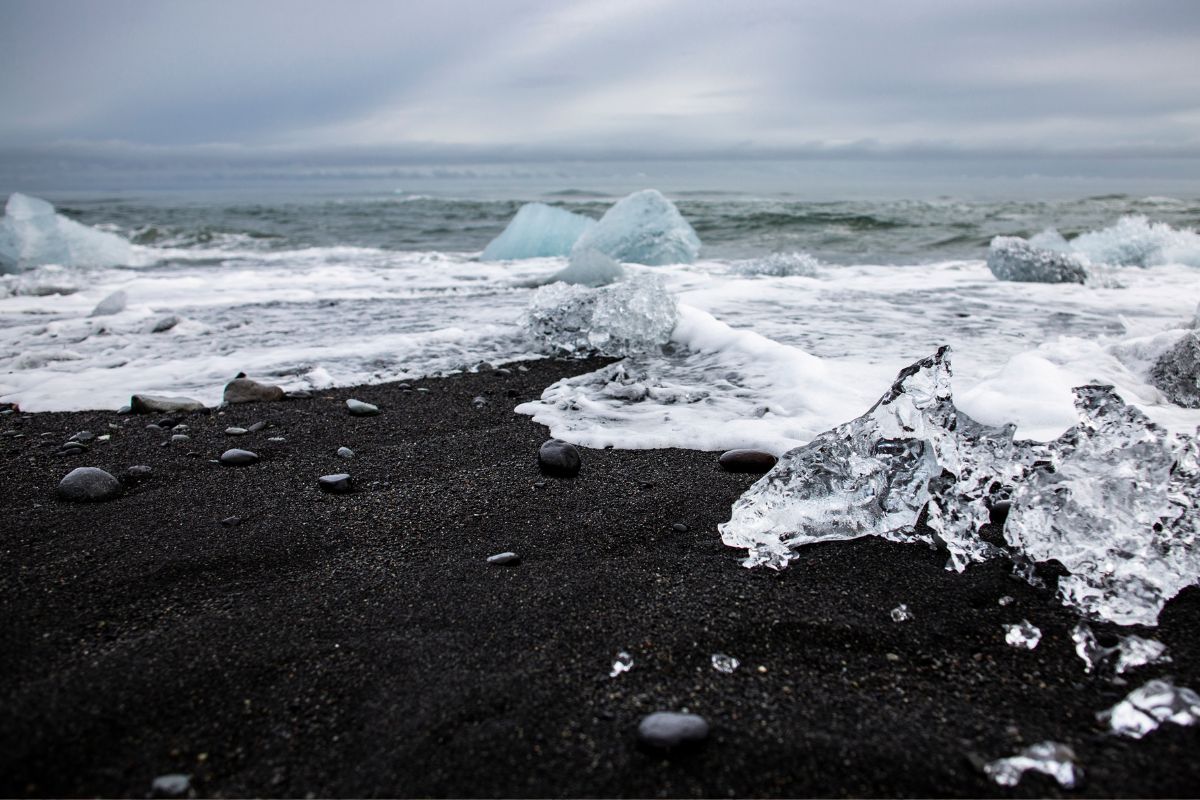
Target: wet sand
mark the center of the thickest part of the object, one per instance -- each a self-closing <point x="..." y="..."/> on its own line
<point x="361" y="645"/>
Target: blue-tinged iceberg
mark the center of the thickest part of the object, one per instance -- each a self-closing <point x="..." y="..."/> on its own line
<point x="643" y="228"/>
<point x="589" y="268"/>
<point x="33" y="235"/>
<point x="538" y="231"/>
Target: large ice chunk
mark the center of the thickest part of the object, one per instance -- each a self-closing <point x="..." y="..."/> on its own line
<point x="875" y="474"/>
<point x="643" y="228"/>
<point x="1011" y="258"/>
<point x="1150" y="705"/>
<point x="538" y="230"/>
<point x="1114" y="501"/>
<point x="32" y="235"/>
<point x="628" y="317"/>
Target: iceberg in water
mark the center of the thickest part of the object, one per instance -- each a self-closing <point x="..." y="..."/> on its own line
<point x="32" y="235"/>
<point x="538" y="230"/>
<point x="1011" y="258"/>
<point x="1113" y="499"/>
<point x="643" y="228"/>
<point x="627" y="317"/>
<point x="589" y="268"/>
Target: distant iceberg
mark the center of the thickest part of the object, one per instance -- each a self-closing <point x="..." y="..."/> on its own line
<point x="643" y="228"/>
<point x="33" y="235"/>
<point x="1011" y="258"/>
<point x="538" y="231"/>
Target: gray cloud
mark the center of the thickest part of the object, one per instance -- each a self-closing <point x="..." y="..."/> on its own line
<point x="274" y="79"/>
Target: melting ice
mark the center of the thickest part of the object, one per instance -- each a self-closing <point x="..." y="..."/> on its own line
<point x="33" y="235"/>
<point x="1128" y="653"/>
<point x="1149" y="706"/>
<point x="1048" y="758"/>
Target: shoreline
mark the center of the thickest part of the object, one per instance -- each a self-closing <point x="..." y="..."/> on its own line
<point x="361" y="645"/>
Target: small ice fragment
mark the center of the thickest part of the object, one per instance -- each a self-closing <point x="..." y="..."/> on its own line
<point x="1007" y="600"/>
<point x="622" y="663"/>
<point x="1022" y="634"/>
<point x="901" y="613"/>
<point x="1128" y="653"/>
<point x="589" y="268"/>
<point x="724" y="663"/>
<point x="1049" y="758"/>
<point x="778" y="265"/>
<point x="1144" y="709"/>
<point x="173" y="785"/>
<point x="112" y="304"/>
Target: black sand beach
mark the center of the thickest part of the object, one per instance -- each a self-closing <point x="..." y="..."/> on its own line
<point x="361" y="645"/>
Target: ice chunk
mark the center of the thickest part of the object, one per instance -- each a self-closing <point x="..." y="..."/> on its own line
<point x="725" y="664"/>
<point x="1177" y="371"/>
<point x="1011" y="258"/>
<point x="590" y="268"/>
<point x="538" y="230"/>
<point x="875" y="474"/>
<point x="31" y="235"/>
<point x="1128" y="653"/>
<point x="1134" y="241"/>
<point x="113" y="304"/>
<point x="623" y="662"/>
<point x="627" y="317"/>
<point x="1022" y="634"/>
<point x="779" y="265"/>
<point x="1049" y="758"/>
<point x="1114" y="501"/>
<point x="1146" y="708"/>
<point x="901" y="613"/>
<point x="1050" y="239"/>
<point x="643" y="228"/>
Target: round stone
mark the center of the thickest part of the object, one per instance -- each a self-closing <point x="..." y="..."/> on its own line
<point x="245" y="390"/>
<point x="181" y="437"/>
<point x="138" y="472"/>
<point x="679" y="527"/>
<point x="340" y="483"/>
<point x="559" y="459"/>
<point x="345" y="452"/>
<point x="669" y="730"/>
<point x="752" y="461"/>
<point x="235" y="431"/>
<point x="358" y="408"/>
<point x="504" y="558"/>
<point x="238" y="458"/>
<point x="174" y="785"/>
<point x="88" y="485"/>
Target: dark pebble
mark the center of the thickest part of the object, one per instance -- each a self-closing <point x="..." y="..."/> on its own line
<point x="559" y="459"/>
<point x="138" y="472"/>
<point x="238" y="458"/>
<point x="298" y="394"/>
<point x="670" y="730"/>
<point x="752" y="461"/>
<point x="88" y="485"/>
<point x="479" y="401"/>
<point x="229" y="522"/>
<point x="245" y="390"/>
<point x="504" y="559"/>
<point x="998" y="513"/>
<point x="335" y="484"/>
<point x="345" y="452"/>
<point x="256" y="427"/>
<point x="83" y="437"/>
<point x="679" y="527"/>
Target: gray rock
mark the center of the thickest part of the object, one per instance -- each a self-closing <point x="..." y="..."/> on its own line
<point x="345" y="452"/>
<point x="181" y="437"/>
<point x="83" y="437"/>
<point x="164" y="324"/>
<point x="173" y="785"/>
<point x="1011" y="258"/>
<point x="238" y="458"/>
<point x="88" y="485"/>
<point x="559" y="459"/>
<point x="504" y="559"/>
<point x="159" y="404"/>
<point x="358" y="408"/>
<point x="670" y="730"/>
<point x="1177" y="372"/>
<point x="679" y="527"/>
<point x="234" y="431"/>
<point x="752" y="461"/>
<point x="245" y="390"/>
<point x="136" y="473"/>
<point x="113" y="304"/>
<point x="256" y="427"/>
<point x="341" y="483"/>
<point x="299" y="394"/>
<point x="479" y="401"/>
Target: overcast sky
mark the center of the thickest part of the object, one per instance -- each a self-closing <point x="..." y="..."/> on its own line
<point x="596" y="77"/>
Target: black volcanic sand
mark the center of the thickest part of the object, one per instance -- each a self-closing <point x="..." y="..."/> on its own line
<point x="361" y="645"/>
